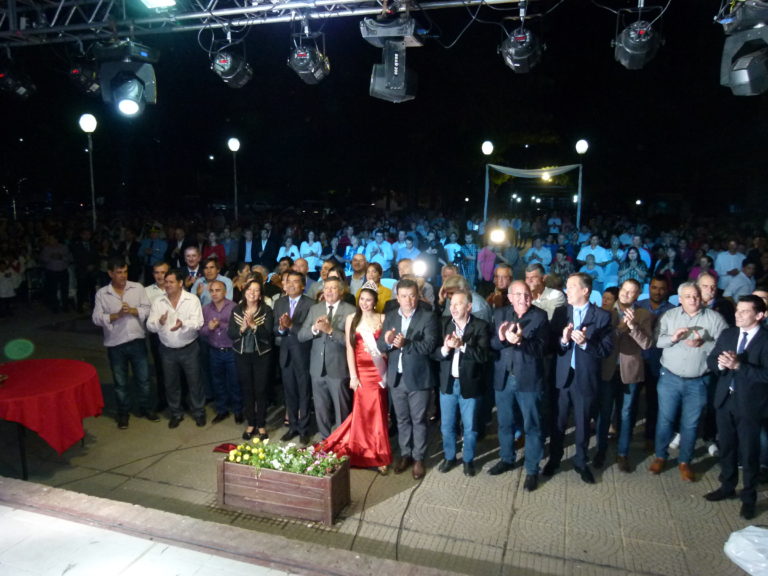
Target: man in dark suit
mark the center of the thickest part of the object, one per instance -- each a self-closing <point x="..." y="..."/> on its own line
<point x="130" y="249"/>
<point x="740" y="357"/>
<point x="585" y="336"/>
<point x="265" y="250"/>
<point x="410" y="335"/>
<point x="176" y="248"/>
<point x="328" y="369"/>
<point x="521" y="334"/>
<point x="462" y="360"/>
<point x="291" y="312"/>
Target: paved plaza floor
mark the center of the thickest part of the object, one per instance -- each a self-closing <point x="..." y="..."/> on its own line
<point x="158" y="486"/>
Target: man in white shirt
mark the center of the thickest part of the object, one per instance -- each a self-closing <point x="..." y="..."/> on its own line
<point x="601" y="254"/>
<point x="728" y="265"/>
<point x="120" y="309"/>
<point x="155" y="291"/>
<point x="743" y="283"/>
<point x="380" y="251"/>
<point x="538" y="254"/>
<point x="176" y="319"/>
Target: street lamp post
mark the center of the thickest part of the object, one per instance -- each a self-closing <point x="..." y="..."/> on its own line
<point x="581" y="148"/>
<point x="234" y="145"/>
<point x="487" y="149"/>
<point x="88" y="125"/>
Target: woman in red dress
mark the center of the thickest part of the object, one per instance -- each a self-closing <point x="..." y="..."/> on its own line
<point x="363" y="436"/>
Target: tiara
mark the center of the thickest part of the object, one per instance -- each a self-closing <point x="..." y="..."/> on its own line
<point x="370" y="285"/>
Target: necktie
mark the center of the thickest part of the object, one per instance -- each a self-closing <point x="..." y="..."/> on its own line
<point x="293" y="307"/>
<point x="330" y="314"/>
<point x="576" y="326"/>
<point x="742" y="344"/>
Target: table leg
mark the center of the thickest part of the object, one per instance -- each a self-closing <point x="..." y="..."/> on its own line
<point x="22" y="433"/>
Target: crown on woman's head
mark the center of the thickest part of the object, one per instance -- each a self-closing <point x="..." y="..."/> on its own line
<point x="370" y="285"/>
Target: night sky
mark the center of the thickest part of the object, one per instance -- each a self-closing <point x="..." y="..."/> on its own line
<point x="666" y="131"/>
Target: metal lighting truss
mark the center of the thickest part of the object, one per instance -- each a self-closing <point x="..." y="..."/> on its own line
<point x="43" y="22"/>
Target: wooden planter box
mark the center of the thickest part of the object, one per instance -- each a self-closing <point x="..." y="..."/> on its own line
<point x="262" y="491"/>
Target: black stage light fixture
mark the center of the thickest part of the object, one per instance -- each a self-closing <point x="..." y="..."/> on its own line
<point x="521" y="50"/>
<point x="744" y="64"/>
<point x="85" y="77"/>
<point x="15" y="82"/>
<point x="232" y="68"/>
<point x="376" y="32"/>
<point x="307" y="59"/>
<point x="392" y="81"/>
<point x="126" y="75"/>
<point x="636" y="45"/>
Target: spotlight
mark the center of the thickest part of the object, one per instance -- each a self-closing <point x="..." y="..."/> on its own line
<point x="636" y="45"/>
<point x="376" y="32"/>
<point x="521" y="50"/>
<point x="15" y="82"/>
<point x="744" y="64"/>
<point x="85" y="77"/>
<point x="307" y="59"/>
<point x="126" y="76"/>
<point x="232" y="68"/>
<point x="392" y="81"/>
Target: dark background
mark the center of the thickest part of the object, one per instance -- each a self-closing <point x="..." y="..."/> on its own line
<point x="668" y="133"/>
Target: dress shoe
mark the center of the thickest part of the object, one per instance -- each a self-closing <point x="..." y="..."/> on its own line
<point x="531" y="482"/>
<point x="151" y="416"/>
<point x="220" y="417"/>
<point x="122" y="421"/>
<point x="304" y="439"/>
<point x="288" y="436"/>
<point x="239" y="418"/>
<point x="550" y="468"/>
<point x="657" y="466"/>
<point x="175" y="421"/>
<point x="201" y="420"/>
<point x="418" y="470"/>
<point x="263" y="435"/>
<point x="622" y="462"/>
<point x="469" y="469"/>
<point x="500" y="467"/>
<point x="248" y="435"/>
<point x="403" y="464"/>
<point x="586" y="474"/>
<point x="447" y="465"/>
<point x="747" y="510"/>
<point x="719" y="494"/>
<point x="599" y="460"/>
<point x="686" y="473"/>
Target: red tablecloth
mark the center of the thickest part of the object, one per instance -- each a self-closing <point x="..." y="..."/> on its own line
<point x="51" y="397"/>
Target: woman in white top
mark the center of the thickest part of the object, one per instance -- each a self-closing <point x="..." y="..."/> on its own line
<point x="310" y="250"/>
<point x="288" y="249"/>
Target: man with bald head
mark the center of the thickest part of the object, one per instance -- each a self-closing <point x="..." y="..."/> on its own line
<point x="520" y="334"/>
<point x="302" y="266"/>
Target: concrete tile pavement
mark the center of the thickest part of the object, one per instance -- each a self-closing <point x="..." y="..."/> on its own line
<point x="625" y="524"/>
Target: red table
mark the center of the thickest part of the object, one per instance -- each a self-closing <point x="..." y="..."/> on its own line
<point x="50" y="397"/>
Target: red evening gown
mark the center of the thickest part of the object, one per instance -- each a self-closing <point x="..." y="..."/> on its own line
<point x="363" y="436"/>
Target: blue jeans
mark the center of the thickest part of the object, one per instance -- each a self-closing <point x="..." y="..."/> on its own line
<point x="226" y="388"/>
<point x="629" y="398"/>
<point x="676" y="394"/>
<point x="623" y="396"/>
<point x="135" y="354"/>
<point x="530" y="408"/>
<point x="448" y="405"/>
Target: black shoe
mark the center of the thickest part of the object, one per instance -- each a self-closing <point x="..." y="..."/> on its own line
<point x="288" y="436"/>
<point x="220" y="417"/>
<point x="175" y="421"/>
<point x="719" y="494"/>
<point x="599" y="460"/>
<point x="469" y="469"/>
<point x="239" y="418"/>
<point x="586" y="474"/>
<point x="151" y="416"/>
<point x="263" y="436"/>
<point x="762" y="476"/>
<point x="747" y="511"/>
<point x="550" y="468"/>
<point x="122" y="421"/>
<point x="248" y="435"/>
<point x="500" y="467"/>
<point x="305" y="439"/>
<point x="447" y="465"/>
<point x="200" y="421"/>
<point x="531" y="482"/>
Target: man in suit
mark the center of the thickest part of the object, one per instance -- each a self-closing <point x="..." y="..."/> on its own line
<point x="177" y="247"/>
<point x="192" y="269"/>
<point x="324" y="326"/>
<point x="622" y="371"/>
<point x="740" y="358"/>
<point x="130" y="250"/>
<point x="462" y="358"/>
<point x="585" y="336"/>
<point x="410" y="335"/>
<point x="264" y="250"/>
<point x="291" y="312"/>
<point x="520" y="334"/>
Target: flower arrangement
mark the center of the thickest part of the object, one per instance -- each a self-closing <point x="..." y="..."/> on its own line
<point x="287" y="458"/>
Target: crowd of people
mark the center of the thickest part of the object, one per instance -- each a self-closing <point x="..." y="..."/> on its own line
<point x="374" y="328"/>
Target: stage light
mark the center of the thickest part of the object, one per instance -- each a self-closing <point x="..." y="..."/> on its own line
<point x="744" y="64"/>
<point x="158" y="4"/>
<point x="636" y="45"/>
<point x="376" y="32"/>
<point x="127" y="76"/>
<point x="232" y="68"/>
<point x="15" y="82"/>
<point x="498" y="236"/>
<point x="392" y="81"/>
<point x="521" y="50"/>
<point x="308" y="61"/>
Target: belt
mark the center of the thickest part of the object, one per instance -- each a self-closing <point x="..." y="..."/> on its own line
<point x="180" y="347"/>
<point x="222" y="349"/>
